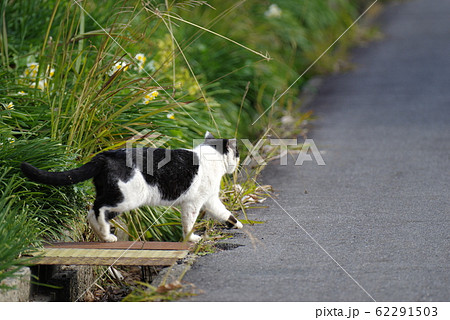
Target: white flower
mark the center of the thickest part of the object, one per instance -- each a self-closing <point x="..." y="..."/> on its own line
<point x="31" y="73"/>
<point x="22" y="93"/>
<point x="10" y="106"/>
<point x="41" y="85"/>
<point x="140" y="57"/>
<point x="117" y="66"/>
<point x="31" y="70"/>
<point x="274" y="11"/>
<point x="151" y="66"/>
<point x="150" y="96"/>
<point x="171" y="116"/>
<point x="50" y="71"/>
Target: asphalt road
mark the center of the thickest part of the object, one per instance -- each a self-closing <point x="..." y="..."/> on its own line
<point x="373" y="223"/>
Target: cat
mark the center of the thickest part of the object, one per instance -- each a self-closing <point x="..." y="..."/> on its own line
<point x="126" y="179"/>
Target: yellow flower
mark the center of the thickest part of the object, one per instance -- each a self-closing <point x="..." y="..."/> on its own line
<point x="150" y="96"/>
<point x="31" y="73"/>
<point x="50" y="71"/>
<point x="171" y="116"/>
<point x="31" y="70"/>
<point x="41" y="85"/>
<point x="141" y="60"/>
<point x="117" y="66"/>
<point x="141" y="57"/>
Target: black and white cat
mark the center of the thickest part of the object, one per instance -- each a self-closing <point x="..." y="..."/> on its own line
<point x="126" y="179"/>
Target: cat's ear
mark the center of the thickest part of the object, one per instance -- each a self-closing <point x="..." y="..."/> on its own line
<point x="232" y="143"/>
<point x="208" y="135"/>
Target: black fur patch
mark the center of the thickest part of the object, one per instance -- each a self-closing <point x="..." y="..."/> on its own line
<point x="221" y="145"/>
<point x="231" y="222"/>
<point x="172" y="171"/>
<point x="110" y="215"/>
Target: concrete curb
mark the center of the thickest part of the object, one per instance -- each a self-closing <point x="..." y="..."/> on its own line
<point x="21" y="284"/>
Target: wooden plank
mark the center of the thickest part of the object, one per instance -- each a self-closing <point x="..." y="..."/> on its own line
<point x="105" y="261"/>
<point x="116" y="253"/>
<point x="127" y="245"/>
<point x="111" y="253"/>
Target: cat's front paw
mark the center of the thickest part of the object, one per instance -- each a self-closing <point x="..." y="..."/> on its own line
<point x="110" y="238"/>
<point x="194" y="238"/>
<point x="232" y="222"/>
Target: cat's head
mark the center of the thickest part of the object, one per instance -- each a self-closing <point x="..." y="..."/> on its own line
<point x="227" y="148"/>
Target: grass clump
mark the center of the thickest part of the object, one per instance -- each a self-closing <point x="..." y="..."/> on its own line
<point x="17" y="232"/>
<point x="168" y="292"/>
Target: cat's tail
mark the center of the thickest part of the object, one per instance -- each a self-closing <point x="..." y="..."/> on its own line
<point x="85" y="172"/>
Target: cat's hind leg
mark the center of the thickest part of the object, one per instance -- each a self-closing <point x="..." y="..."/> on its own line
<point x="217" y="211"/>
<point x="99" y="221"/>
